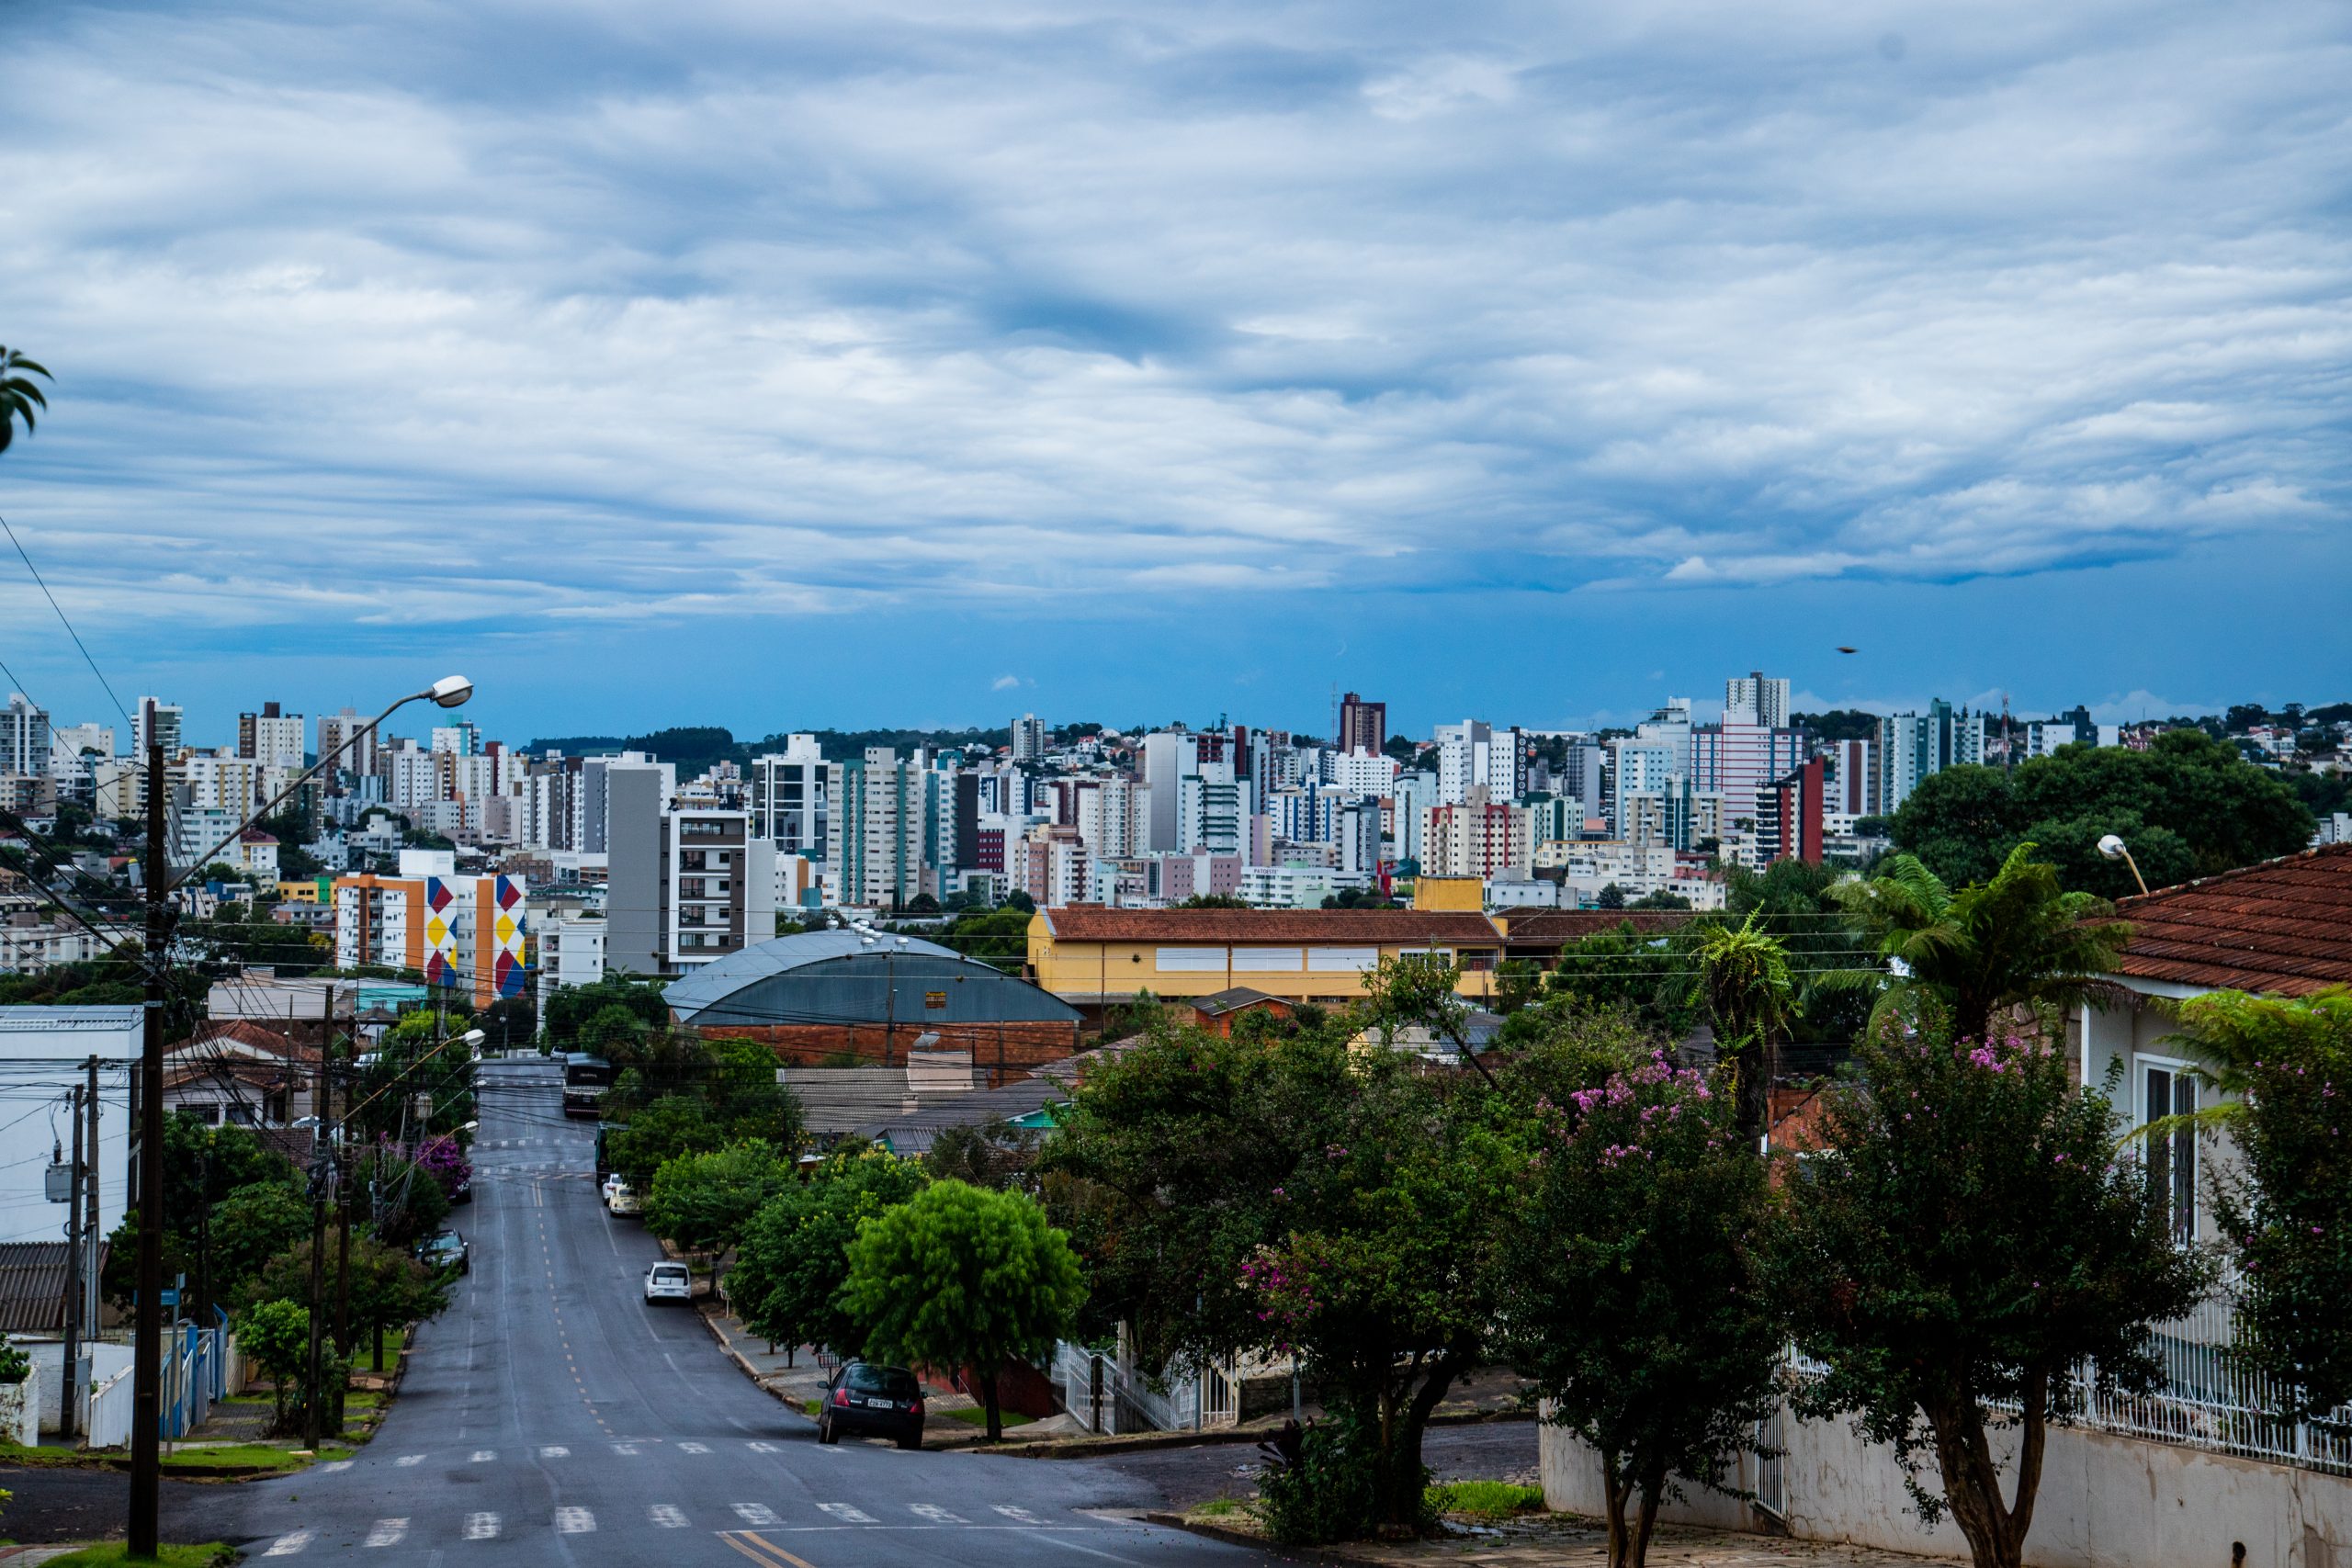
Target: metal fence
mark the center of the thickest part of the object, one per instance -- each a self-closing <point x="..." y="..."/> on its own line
<point x="1104" y="1398"/>
<point x="2204" y="1398"/>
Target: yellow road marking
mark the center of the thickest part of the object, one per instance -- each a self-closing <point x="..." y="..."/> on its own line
<point x="745" y="1542"/>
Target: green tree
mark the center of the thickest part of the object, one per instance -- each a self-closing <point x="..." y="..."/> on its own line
<point x="660" y="1132"/>
<point x="18" y="396"/>
<point x="1280" y="1191"/>
<point x="1641" y="974"/>
<point x="793" y="1256"/>
<point x="571" y="1007"/>
<point x="250" y="1226"/>
<point x="1636" y="1301"/>
<point x="2189" y="805"/>
<point x="1745" y="985"/>
<point x="1967" y="1241"/>
<point x="2288" y="1060"/>
<point x="398" y="1196"/>
<point x="992" y="1156"/>
<point x="276" y="1333"/>
<point x="2017" y="938"/>
<point x="960" y="1276"/>
<point x="703" y="1201"/>
<point x="390" y="1289"/>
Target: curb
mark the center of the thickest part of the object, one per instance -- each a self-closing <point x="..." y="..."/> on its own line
<point x="1142" y="1442"/>
<point x="1337" y="1556"/>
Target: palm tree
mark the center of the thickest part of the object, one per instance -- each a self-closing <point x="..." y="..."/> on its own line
<point x="2229" y="1035"/>
<point x="1750" y="997"/>
<point x="18" y="396"/>
<point x="2017" y="938"/>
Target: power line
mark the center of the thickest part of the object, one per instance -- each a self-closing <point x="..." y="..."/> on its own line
<point x="68" y="623"/>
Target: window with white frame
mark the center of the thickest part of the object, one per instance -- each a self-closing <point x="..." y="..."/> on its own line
<point x="2169" y="1089"/>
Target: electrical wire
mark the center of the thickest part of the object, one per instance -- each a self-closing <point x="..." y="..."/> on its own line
<point x="68" y="623"/>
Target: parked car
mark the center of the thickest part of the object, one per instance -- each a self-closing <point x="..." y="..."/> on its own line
<point x="446" y="1249"/>
<point x="621" y="1198"/>
<point x="669" y="1282"/>
<point x="865" y="1400"/>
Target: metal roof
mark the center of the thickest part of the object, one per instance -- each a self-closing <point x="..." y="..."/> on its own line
<point x="32" y="1285"/>
<point x="67" y="1019"/>
<point x="854" y="978"/>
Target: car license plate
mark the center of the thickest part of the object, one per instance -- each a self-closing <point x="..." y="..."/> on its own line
<point x="878" y="1403"/>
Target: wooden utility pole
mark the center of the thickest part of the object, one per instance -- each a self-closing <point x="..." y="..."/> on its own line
<point x="342" y="1212"/>
<point x="147" y="1329"/>
<point x="322" y="1170"/>
<point x="67" y="1382"/>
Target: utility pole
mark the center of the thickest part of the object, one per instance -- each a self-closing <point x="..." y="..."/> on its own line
<point x="67" y="1382"/>
<point x="147" y="1329"/>
<point x="322" y="1168"/>
<point x="90" y="1205"/>
<point x="343" y="1210"/>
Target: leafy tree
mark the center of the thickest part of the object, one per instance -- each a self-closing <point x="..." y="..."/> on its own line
<point x="1966" y="1243"/>
<point x="276" y="1333"/>
<point x="418" y="1056"/>
<point x="252" y="1225"/>
<point x="703" y="1201"/>
<point x="959" y="1276"/>
<point x="1278" y="1190"/>
<point x="672" y="1126"/>
<point x="1745" y="985"/>
<point x="791" y="1263"/>
<point x="2196" y="805"/>
<point x="571" y="1007"/>
<point x="1636" y="1303"/>
<point x="18" y="396"/>
<point x="1213" y="901"/>
<point x="1626" y="969"/>
<point x="2016" y="937"/>
<point x="984" y="1157"/>
<point x="402" y="1199"/>
<point x="2290" y="1061"/>
<point x="510" y="1023"/>
<point x="1611" y="897"/>
<point x="1664" y="899"/>
<point x="390" y="1289"/>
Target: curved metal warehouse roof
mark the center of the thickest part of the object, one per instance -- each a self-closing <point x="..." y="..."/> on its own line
<point x="846" y="977"/>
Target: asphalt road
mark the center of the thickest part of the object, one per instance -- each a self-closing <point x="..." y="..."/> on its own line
<point x="550" y="1416"/>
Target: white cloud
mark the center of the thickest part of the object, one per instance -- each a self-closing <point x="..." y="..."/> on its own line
<point x="776" y="310"/>
<point x="1004" y="682"/>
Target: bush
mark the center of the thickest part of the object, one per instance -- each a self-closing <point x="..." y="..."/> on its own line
<point x="1322" y="1485"/>
<point x="14" y="1365"/>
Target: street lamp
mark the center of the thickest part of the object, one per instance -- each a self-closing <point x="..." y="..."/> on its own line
<point x="147" y="1333"/>
<point x="2114" y="848"/>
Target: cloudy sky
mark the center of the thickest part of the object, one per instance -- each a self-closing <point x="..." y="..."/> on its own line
<point x="770" y="364"/>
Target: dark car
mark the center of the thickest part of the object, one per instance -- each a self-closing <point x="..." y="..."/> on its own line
<point x="446" y="1249"/>
<point x="868" y="1401"/>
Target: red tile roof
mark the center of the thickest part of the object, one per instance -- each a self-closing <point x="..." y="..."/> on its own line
<point x="215" y="1033"/>
<point x="1539" y="927"/>
<point x="2283" y="926"/>
<point x="1089" y="923"/>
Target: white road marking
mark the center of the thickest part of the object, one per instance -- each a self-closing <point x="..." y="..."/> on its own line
<point x="627" y="1450"/>
<point x="481" y="1527"/>
<point x="388" y="1532"/>
<point x="1023" y="1515"/>
<point x="937" y="1515"/>
<point x="288" y="1545"/>
<point x="574" y="1521"/>
<point x="667" y="1516"/>
<point x="765" y="1449"/>
<point x="485" y="1456"/>
<point x="555" y="1451"/>
<point x="756" y="1514"/>
<point x="694" y="1448"/>
<point x="336" y="1466"/>
<point x="409" y="1459"/>
<point x="847" y="1514"/>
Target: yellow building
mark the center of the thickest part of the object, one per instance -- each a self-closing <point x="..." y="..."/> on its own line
<point x="1093" y="957"/>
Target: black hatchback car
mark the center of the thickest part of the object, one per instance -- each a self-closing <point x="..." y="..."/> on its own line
<point x="869" y="1401"/>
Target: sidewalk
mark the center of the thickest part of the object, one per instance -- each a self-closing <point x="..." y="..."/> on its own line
<point x="1555" y="1541"/>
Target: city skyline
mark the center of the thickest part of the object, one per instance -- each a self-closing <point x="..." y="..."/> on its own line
<point x="773" y="350"/>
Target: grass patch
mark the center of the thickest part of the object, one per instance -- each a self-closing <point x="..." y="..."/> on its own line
<point x="814" y="1406"/>
<point x="1485" y="1499"/>
<point x="979" y="1417"/>
<point x="259" y="1455"/>
<point x="52" y="1459"/>
<point x="212" y="1554"/>
<point x="1219" y="1509"/>
<point x="362" y="1399"/>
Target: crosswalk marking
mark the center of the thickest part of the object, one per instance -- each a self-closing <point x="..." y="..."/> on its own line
<point x="409" y="1459"/>
<point x="755" y="1514"/>
<point x="336" y="1466"/>
<point x="667" y="1516"/>
<point x="937" y="1515"/>
<point x="847" y="1514"/>
<point x="694" y="1448"/>
<point x="765" y="1449"/>
<point x="388" y="1532"/>
<point x="1023" y="1515"/>
<point x="555" y="1451"/>
<point x="574" y="1521"/>
<point x="481" y="1527"/>
<point x="288" y="1545"/>
<point x="627" y="1450"/>
<point x="485" y="1456"/>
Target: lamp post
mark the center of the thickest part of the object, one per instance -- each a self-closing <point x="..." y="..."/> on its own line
<point x="2114" y="848"/>
<point x="147" y="1334"/>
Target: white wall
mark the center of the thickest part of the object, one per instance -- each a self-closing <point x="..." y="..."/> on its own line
<point x="42" y="1051"/>
<point x="2105" y="1501"/>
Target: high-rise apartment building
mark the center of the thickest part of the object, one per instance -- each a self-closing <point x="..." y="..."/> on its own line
<point x="1168" y="757"/>
<point x="1471" y="755"/>
<point x="786" y="794"/>
<point x="25" y="743"/>
<point x="1363" y="727"/>
<point x="1788" y="816"/>
<point x="874" y="830"/>
<point x="1476" y="838"/>
<point x="346" y="732"/>
<point x="1913" y="746"/>
<point x="1853" y="784"/>
<point x="273" y="737"/>
<point x="1208" y="809"/>
<point x="1758" y="699"/>
<point x="466" y="933"/>
<point x="1028" y="738"/>
<point x="685" y="883"/>
<point x="156" y="722"/>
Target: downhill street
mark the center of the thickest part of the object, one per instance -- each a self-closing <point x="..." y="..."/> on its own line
<point x="551" y="1417"/>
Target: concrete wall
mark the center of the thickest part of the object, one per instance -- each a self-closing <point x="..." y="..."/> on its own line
<point x="2105" y="1501"/>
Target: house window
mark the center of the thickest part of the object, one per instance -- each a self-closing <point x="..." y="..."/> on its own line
<point x="2169" y="1089"/>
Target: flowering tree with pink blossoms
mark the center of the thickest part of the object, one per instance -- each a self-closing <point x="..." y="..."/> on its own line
<point x="1965" y="1239"/>
<point x="1635" y="1302"/>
